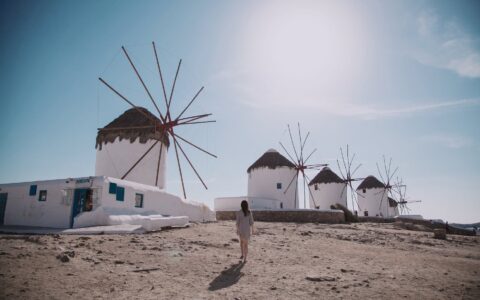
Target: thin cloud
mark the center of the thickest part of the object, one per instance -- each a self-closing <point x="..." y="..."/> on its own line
<point x="373" y="113"/>
<point x="367" y="112"/>
<point x="449" y="141"/>
<point x="446" y="45"/>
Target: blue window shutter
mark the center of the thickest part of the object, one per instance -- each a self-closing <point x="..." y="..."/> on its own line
<point x="120" y="193"/>
<point x="112" y="189"/>
<point x="33" y="190"/>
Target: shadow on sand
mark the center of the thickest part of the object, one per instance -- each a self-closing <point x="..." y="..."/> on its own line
<point x="227" y="277"/>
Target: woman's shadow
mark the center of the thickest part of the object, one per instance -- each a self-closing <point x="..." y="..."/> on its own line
<point x="227" y="277"/>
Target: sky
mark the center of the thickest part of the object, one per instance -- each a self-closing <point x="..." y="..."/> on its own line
<point x="393" y="78"/>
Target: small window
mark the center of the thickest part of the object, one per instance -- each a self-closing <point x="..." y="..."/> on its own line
<point x="120" y="193"/>
<point x="138" y="200"/>
<point x="33" y="190"/>
<point x="42" y="196"/>
<point x="364" y="191"/>
<point x="281" y="204"/>
<point x="279" y="186"/>
<point x="112" y="189"/>
<point x="365" y="213"/>
<point x="316" y="187"/>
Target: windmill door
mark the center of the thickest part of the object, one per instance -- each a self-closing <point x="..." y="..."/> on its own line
<point x="3" y="205"/>
<point x="79" y="200"/>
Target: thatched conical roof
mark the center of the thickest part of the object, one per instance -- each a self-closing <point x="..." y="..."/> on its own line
<point x="132" y="124"/>
<point x="271" y="159"/>
<point x="370" y="182"/>
<point x="326" y="175"/>
<point x="392" y="202"/>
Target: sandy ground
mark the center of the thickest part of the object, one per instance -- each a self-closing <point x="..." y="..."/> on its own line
<point x="201" y="262"/>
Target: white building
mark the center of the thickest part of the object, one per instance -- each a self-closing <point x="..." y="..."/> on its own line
<point x="268" y="179"/>
<point x="373" y="199"/>
<point x="137" y="198"/>
<point x="122" y="143"/>
<point x="393" y="207"/>
<point x="93" y="201"/>
<point x="327" y="189"/>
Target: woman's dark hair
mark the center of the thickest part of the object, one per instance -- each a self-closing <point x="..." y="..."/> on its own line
<point x="244" y="206"/>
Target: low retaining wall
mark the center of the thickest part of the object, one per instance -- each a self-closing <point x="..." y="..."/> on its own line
<point x="297" y="216"/>
<point x="427" y="223"/>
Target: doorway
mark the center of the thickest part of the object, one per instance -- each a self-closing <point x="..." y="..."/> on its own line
<point x="3" y="206"/>
<point x="82" y="201"/>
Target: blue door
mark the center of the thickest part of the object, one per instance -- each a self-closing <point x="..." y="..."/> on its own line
<point x="79" y="199"/>
<point x="3" y="205"/>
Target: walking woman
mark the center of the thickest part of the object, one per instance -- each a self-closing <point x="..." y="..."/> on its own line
<point x="244" y="227"/>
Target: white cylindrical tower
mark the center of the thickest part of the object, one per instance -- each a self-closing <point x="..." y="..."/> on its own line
<point x="269" y="177"/>
<point x="392" y="208"/>
<point x="372" y="198"/>
<point x="122" y="143"/>
<point x="327" y="188"/>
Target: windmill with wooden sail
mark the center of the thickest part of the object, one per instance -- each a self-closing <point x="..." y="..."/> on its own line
<point x="400" y="189"/>
<point x="348" y="176"/>
<point x="301" y="163"/>
<point x="388" y="204"/>
<point x="150" y="134"/>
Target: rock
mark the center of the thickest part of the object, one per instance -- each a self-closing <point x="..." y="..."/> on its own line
<point x="349" y="216"/>
<point x="273" y="288"/>
<point x="63" y="258"/>
<point x="119" y="262"/>
<point x="440" y="234"/>
<point x="319" y="278"/>
<point x="235" y="240"/>
<point x="343" y="270"/>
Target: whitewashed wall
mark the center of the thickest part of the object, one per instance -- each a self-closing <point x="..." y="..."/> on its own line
<point x="233" y="203"/>
<point x="25" y="210"/>
<point x="55" y="212"/>
<point x="115" y="159"/>
<point x="370" y="201"/>
<point x="262" y="183"/>
<point x="155" y="201"/>
<point x="328" y="194"/>
<point x="393" y="211"/>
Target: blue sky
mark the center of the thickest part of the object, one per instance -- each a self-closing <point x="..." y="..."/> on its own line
<point x="394" y="78"/>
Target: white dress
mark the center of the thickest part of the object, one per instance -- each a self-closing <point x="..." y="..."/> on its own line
<point x="243" y="224"/>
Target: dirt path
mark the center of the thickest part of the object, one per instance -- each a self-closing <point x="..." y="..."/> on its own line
<point x="201" y="262"/>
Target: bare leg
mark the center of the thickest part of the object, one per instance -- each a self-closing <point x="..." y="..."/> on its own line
<point x="241" y="248"/>
<point x="245" y="250"/>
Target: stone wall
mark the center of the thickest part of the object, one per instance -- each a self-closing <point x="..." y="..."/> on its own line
<point x="427" y="223"/>
<point x="297" y="216"/>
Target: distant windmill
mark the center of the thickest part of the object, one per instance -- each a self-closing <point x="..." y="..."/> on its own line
<point x="401" y="190"/>
<point x="386" y="180"/>
<point x="347" y="175"/>
<point x="301" y="164"/>
<point x="166" y="124"/>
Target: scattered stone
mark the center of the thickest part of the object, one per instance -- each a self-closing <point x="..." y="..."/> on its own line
<point x="439" y="234"/>
<point x="119" y="262"/>
<point x="319" y="278"/>
<point x="273" y="288"/>
<point x="63" y="258"/>
<point x="235" y="240"/>
<point x="315" y="256"/>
